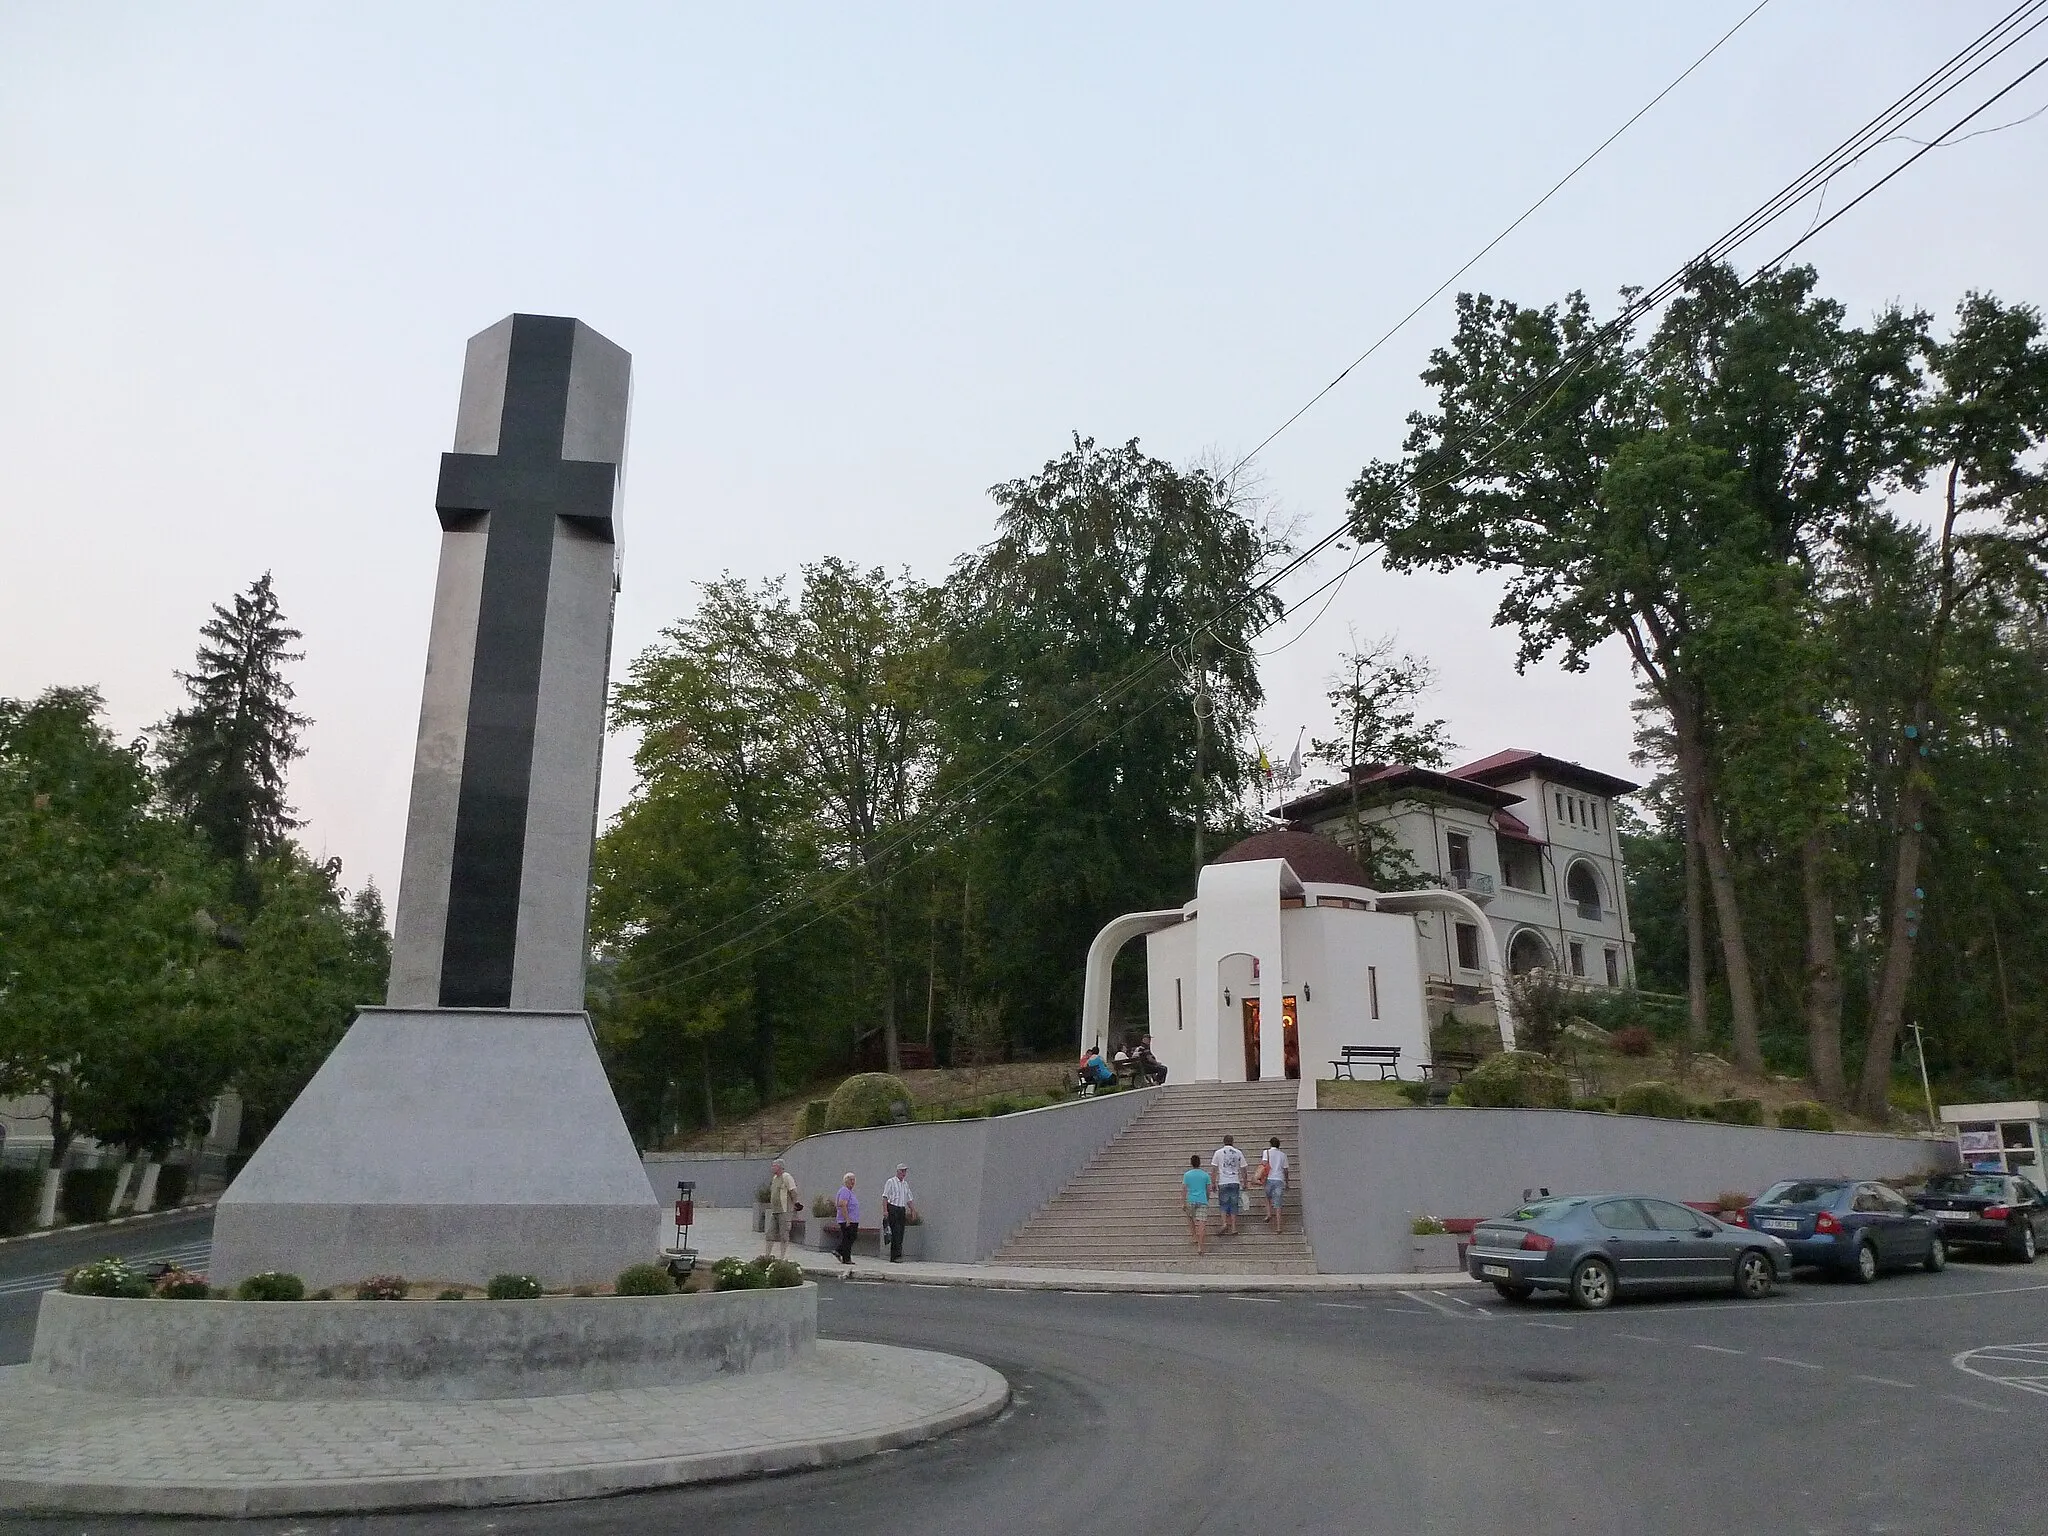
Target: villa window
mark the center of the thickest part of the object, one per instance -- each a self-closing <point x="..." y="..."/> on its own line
<point x="1468" y="947"/>
<point x="1614" y="967"/>
<point x="1578" y="952"/>
<point x="1521" y="866"/>
<point x="1596" y="815"/>
<point x="1461" y="852"/>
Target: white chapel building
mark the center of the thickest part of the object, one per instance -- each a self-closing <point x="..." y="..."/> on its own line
<point x="1287" y="954"/>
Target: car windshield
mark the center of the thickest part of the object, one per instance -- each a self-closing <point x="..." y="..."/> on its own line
<point x="1806" y="1192"/>
<point x="1978" y="1185"/>
<point x="1540" y="1210"/>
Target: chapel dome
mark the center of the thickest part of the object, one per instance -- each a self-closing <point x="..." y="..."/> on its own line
<point x="1315" y="860"/>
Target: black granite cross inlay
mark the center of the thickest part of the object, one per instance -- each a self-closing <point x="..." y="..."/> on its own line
<point x="521" y="489"/>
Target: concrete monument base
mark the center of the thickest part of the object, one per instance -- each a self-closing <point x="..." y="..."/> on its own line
<point x="446" y="1144"/>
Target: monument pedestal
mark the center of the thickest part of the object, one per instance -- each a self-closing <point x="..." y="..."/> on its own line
<point x="446" y="1144"/>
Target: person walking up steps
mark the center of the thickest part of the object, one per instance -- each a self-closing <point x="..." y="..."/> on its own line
<point x="1273" y="1174"/>
<point x="1229" y="1165"/>
<point x="1196" y="1182"/>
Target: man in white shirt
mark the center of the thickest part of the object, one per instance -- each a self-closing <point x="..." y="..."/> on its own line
<point x="1273" y="1174"/>
<point x="898" y="1206"/>
<point x="782" y="1208"/>
<point x="1229" y="1165"/>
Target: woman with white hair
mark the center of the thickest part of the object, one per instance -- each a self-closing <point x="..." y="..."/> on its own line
<point x="847" y="1204"/>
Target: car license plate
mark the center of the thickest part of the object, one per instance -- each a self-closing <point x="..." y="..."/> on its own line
<point x="1953" y="1215"/>
<point x="1496" y="1272"/>
<point x="1781" y="1226"/>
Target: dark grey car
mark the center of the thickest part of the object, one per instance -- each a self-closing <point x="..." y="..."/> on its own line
<point x="1595" y="1247"/>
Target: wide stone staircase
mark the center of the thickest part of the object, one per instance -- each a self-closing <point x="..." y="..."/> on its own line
<point x="1125" y="1210"/>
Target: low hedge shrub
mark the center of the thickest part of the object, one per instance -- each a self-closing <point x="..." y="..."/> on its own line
<point x="1737" y="1111"/>
<point x="1805" y="1115"/>
<point x="513" y="1288"/>
<point x="1414" y="1093"/>
<point x="869" y="1098"/>
<point x="383" y="1288"/>
<point x="453" y="1293"/>
<point x="811" y="1119"/>
<point x="86" y="1194"/>
<point x="1635" y="1040"/>
<point x="735" y="1274"/>
<point x="176" y="1284"/>
<point x="1517" y="1080"/>
<point x="106" y="1277"/>
<point x="272" y="1285"/>
<point x="644" y="1280"/>
<point x="1597" y="1104"/>
<point x="19" y="1190"/>
<point x="1659" y="1100"/>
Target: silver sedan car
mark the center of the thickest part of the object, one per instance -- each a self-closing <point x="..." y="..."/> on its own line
<point x="1596" y="1247"/>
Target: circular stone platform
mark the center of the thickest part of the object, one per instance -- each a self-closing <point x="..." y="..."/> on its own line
<point x="102" y="1453"/>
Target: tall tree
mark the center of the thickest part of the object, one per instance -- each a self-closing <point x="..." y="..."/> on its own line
<point x="225" y="756"/>
<point x="1374" y="696"/>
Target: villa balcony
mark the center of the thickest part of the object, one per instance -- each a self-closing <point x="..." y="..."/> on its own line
<point x="1589" y="911"/>
<point x="1479" y="887"/>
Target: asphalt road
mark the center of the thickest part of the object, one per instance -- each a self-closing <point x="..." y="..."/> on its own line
<point x="1829" y="1409"/>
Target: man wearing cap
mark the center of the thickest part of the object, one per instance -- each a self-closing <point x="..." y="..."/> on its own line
<point x="898" y="1206"/>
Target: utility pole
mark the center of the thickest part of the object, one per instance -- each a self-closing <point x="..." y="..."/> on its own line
<point x="1920" y="1045"/>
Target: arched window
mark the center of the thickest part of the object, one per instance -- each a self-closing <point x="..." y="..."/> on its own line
<point x="1528" y="951"/>
<point x="1583" y="887"/>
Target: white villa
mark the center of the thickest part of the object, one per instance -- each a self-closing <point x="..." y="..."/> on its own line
<point x="1286" y="955"/>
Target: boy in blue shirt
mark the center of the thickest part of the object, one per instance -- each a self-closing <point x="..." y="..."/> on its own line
<point x="1196" y="1182"/>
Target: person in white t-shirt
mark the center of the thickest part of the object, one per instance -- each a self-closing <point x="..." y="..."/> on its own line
<point x="1273" y="1174"/>
<point x="1228" y="1162"/>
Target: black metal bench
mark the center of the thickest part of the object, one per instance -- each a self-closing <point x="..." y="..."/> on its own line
<point x="1386" y="1057"/>
<point x="1454" y="1064"/>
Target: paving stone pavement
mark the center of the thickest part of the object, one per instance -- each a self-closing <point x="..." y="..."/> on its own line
<point x="216" y="1456"/>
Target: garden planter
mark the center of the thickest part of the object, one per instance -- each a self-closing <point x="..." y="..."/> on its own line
<point x="1435" y="1253"/>
<point x="760" y="1216"/>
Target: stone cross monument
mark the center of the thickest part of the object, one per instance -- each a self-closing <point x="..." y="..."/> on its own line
<point x="466" y="1128"/>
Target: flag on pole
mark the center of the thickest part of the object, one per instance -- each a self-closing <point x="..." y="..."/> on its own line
<point x="1294" y="762"/>
<point x="1265" y="766"/>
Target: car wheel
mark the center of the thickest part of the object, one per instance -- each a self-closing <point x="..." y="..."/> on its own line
<point x="1937" y="1255"/>
<point x="2023" y="1245"/>
<point x="1754" y="1276"/>
<point x="1592" y="1285"/>
<point x="1514" y="1290"/>
<point x="1863" y="1266"/>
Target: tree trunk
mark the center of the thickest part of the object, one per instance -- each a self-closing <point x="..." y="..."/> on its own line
<point x="1692" y="773"/>
<point x="892" y="1055"/>
<point x="1695" y="944"/>
<point x="710" y="1107"/>
<point x="121" y="1183"/>
<point x="1823" y="972"/>
<point x="145" y="1195"/>
<point x="1902" y="933"/>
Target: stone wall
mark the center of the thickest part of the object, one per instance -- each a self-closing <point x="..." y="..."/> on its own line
<point x="723" y="1179"/>
<point x="1367" y="1174"/>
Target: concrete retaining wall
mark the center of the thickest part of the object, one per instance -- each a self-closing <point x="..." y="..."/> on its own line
<point x="420" y="1351"/>
<point x="724" y="1179"/>
<point x="976" y="1181"/>
<point x="1367" y="1174"/>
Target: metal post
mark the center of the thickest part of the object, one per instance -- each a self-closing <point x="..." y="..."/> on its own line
<point x="1920" y="1045"/>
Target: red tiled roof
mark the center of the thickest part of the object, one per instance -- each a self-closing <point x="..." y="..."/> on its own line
<point x="1314" y="860"/>
<point x="1379" y="783"/>
<point x="1516" y="763"/>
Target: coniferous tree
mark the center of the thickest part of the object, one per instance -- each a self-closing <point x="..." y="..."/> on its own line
<point x="225" y="756"/>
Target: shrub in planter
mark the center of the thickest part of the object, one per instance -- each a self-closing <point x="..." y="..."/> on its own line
<point x="869" y="1098"/>
<point x="735" y="1274"/>
<point x="273" y="1285"/>
<point x="645" y="1280"/>
<point x="106" y="1277"/>
<point x="1635" y="1040"/>
<point x="811" y="1120"/>
<point x="1427" y="1226"/>
<point x="1517" y="1080"/>
<point x="1806" y="1116"/>
<point x="1737" y="1111"/>
<point x="176" y="1284"/>
<point x="513" y="1288"/>
<point x="783" y="1273"/>
<point x="383" y="1288"/>
<point x="453" y="1293"/>
<point x="171" y="1182"/>
<point x="761" y="1193"/>
<point x="1731" y="1200"/>
<point x="823" y="1208"/>
<point x="1660" y="1100"/>
<point x="86" y="1193"/>
<point x="19" y="1189"/>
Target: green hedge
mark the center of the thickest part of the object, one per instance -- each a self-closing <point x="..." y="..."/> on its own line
<point x="1806" y="1116"/>
<point x="869" y="1098"/>
<point x="513" y="1288"/>
<point x="86" y="1193"/>
<point x="272" y="1285"/>
<point x="19" y="1190"/>
<point x="811" y="1119"/>
<point x="645" y="1280"/>
<point x="1736" y="1111"/>
<point x="1517" y="1080"/>
<point x="1653" y="1098"/>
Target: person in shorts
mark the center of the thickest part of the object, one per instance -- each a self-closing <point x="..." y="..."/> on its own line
<point x="1195" y="1182"/>
<point x="782" y="1207"/>
<point x="1229" y="1165"/>
<point x="1273" y="1174"/>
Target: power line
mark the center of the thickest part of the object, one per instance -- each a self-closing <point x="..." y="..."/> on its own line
<point x="1971" y="60"/>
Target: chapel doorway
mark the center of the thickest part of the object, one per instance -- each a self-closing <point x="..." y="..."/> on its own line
<point x="1290" y="1040"/>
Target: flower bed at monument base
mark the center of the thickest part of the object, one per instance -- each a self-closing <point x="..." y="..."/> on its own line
<point x="418" y="1351"/>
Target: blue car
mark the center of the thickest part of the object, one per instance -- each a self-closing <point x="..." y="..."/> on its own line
<point x="1597" y="1247"/>
<point x="1848" y="1227"/>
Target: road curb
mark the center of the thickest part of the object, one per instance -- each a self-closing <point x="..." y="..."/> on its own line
<point x="247" y="1498"/>
<point x="1145" y="1282"/>
<point x="100" y="1226"/>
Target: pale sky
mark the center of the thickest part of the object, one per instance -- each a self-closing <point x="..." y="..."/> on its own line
<point x="868" y="261"/>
